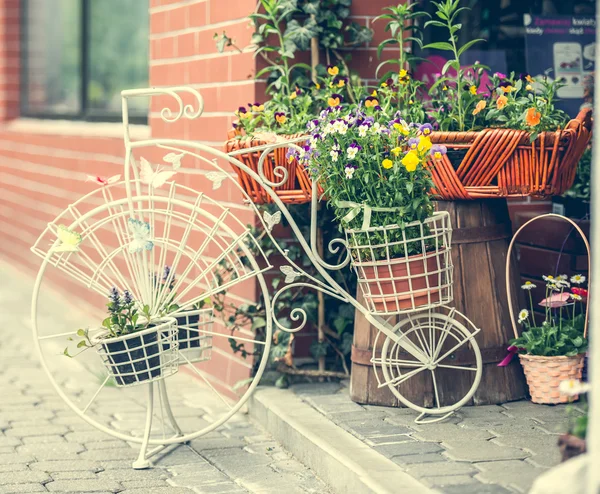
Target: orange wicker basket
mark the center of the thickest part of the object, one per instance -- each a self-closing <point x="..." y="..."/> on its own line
<point x="504" y="163"/>
<point x="296" y="190"/>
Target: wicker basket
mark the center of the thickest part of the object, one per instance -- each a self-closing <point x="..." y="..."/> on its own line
<point x="504" y="163"/>
<point x="296" y="190"/>
<point x="544" y="374"/>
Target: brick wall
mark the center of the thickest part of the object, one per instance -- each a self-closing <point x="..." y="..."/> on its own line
<point x="9" y="59"/>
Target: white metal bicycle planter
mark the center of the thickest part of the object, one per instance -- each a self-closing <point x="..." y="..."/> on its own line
<point x="194" y="236"/>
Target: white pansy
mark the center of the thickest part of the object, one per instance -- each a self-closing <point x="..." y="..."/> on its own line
<point x="523" y="315"/>
<point x="349" y="171"/>
<point x="377" y="128"/>
<point x="362" y="130"/>
<point x="352" y="152"/>
<point x="334" y="155"/>
<point x="573" y="387"/>
<point x="578" y="279"/>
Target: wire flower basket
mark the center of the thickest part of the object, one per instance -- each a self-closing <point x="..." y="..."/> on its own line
<point x="141" y="357"/>
<point x="403" y="268"/>
<point x="194" y="344"/>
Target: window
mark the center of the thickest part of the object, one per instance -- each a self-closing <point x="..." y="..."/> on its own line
<point x="77" y="56"/>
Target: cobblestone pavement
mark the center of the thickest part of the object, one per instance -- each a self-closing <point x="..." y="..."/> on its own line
<point x="481" y="450"/>
<point x="45" y="447"/>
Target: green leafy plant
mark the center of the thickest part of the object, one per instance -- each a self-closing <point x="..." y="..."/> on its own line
<point x="581" y="186"/>
<point x="447" y="17"/>
<point x="407" y="91"/>
<point x="561" y="331"/>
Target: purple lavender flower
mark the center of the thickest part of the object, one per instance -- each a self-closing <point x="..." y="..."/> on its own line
<point x="166" y="273"/>
<point x="127" y="298"/>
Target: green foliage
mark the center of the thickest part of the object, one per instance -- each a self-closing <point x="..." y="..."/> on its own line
<point x="578" y="423"/>
<point x="561" y="332"/>
<point x="408" y="92"/>
<point x="339" y="318"/>
<point x="447" y="17"/>
<point x="282" y="28"/>
<point x="581" y="186"/>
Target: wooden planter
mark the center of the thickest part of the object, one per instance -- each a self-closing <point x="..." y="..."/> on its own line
<point x="480" y="239"/>
<point x="495" y="163"/>
<point x="296" y="190"/>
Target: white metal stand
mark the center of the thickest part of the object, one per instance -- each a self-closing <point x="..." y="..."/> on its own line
<point x="208" y="249"/>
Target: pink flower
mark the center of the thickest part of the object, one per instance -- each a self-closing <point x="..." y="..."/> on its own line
<point x="556" y="300"/>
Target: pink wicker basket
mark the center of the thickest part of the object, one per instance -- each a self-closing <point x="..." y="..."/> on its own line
<point x="544" y="374"/>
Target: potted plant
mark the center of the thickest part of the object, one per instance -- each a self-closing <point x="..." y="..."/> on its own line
<point x="297" y="92"/>
<point x="374" y="171"/>
<point x="552" y="349"/>
<point x="503" y="133"/>
<point x="135" y="347"/>
<point x="573" y="443"/>
<point x="193" y="344"/>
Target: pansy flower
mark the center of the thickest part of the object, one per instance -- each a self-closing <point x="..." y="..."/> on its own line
<point x="387" y="163"/>
<point x="243" y="113"/>
<point x="413" y="143"/>
<point x="501" y="102"/>
<point x="424" y="144"/>
<point x="333" y="70"/>
<point x="340" y="81"/>
<point x="480" y="106"/>
<point x="312" y="125"/>
<point x="473" y="90"/>
<point x="335" y="152"/>
<point x="403" y="76"/>
<point x="349" y="169"/>
<point x="256" y="107"/>
<point x="410" y="161"/>
<point x="438" y="150"/>
<point x="280" y="117"/>
<point x="363" y="129"/>
<point x="335" y="100"/>
<point x="371" y="101"/>
<point x="532" y="117"/>
<point x="425" y="129"/>
<point x="291" y="154"/>
<point x="353" y="150"/>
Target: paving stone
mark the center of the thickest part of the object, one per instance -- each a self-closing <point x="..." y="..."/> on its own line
<point x="180" y="455"/>
<point x="408" y="448"/>
<point x="473" y="451"/>
<point x="394" y="439"/>
<point x="51" y="451"/>
<point x="23" y="477"/>
<point x="6" y="441"/>
<point x="140" y="484"/>
<point x="536" y="444"/>
<point x="10" y="458"/>
<point x="366" y="429"/>
<point x="450" y="432"/>
<point x="37" y="431"/>
<point x="496" y="472"/>
<point x="445" y="468"/>
<point x="110" y="454"/>
<point x="14" y="467"/>
<point x="476" y="489"/>
<point x="412" y="459"/>
<point x="52" y="438"/>
<point x="84" y="485"/>
<point x="116" y="444"/>
<point x="222" y="442"/>
<point x="84" y="437"/>
<point x="80" y="474"/>
<point x="66" y="466"/>
<point x="316" y="389"/>
<point x="236" y="462"/>
<point x="224" y="488"/>
<point x="161" y="490"/>
<point x="18" y="488"/>
<point x="443" y="481"/>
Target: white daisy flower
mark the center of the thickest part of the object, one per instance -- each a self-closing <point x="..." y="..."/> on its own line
<point x="562" y="277"/>
<point x="523" y="315"/>
<point x="563" y="284"/>
<point x="554" y="287"/>
<point x="574" y="296"/>
<point x="549" y="279"/>
<point x="573" y="387"/>
<point x="528" y="286"/>
<point x="578" y="279"/>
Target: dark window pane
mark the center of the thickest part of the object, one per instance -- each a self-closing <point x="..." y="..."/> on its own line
<point x="53" y="43"/>
<point x="118" y="53"/>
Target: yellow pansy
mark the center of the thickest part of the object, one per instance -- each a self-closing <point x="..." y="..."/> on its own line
<point x="396" y="151"/>
<point x="333" y="70"/>
<point x="473" y="90"/>
<point x="387" y="163"/>
<point x="293" y="95"/>
<point x="410" y="161"/>
<point x="424" y="144"/>
<point x="374" y="93"/>
<point x="403" y="129"/>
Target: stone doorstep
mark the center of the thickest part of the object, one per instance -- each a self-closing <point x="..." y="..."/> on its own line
<point x="345" y="463"/>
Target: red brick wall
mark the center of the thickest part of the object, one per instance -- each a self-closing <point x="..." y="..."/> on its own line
<point x="9" y="59"/>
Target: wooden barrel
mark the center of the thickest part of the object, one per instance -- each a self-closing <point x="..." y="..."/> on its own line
<point x="480" y="238"/>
